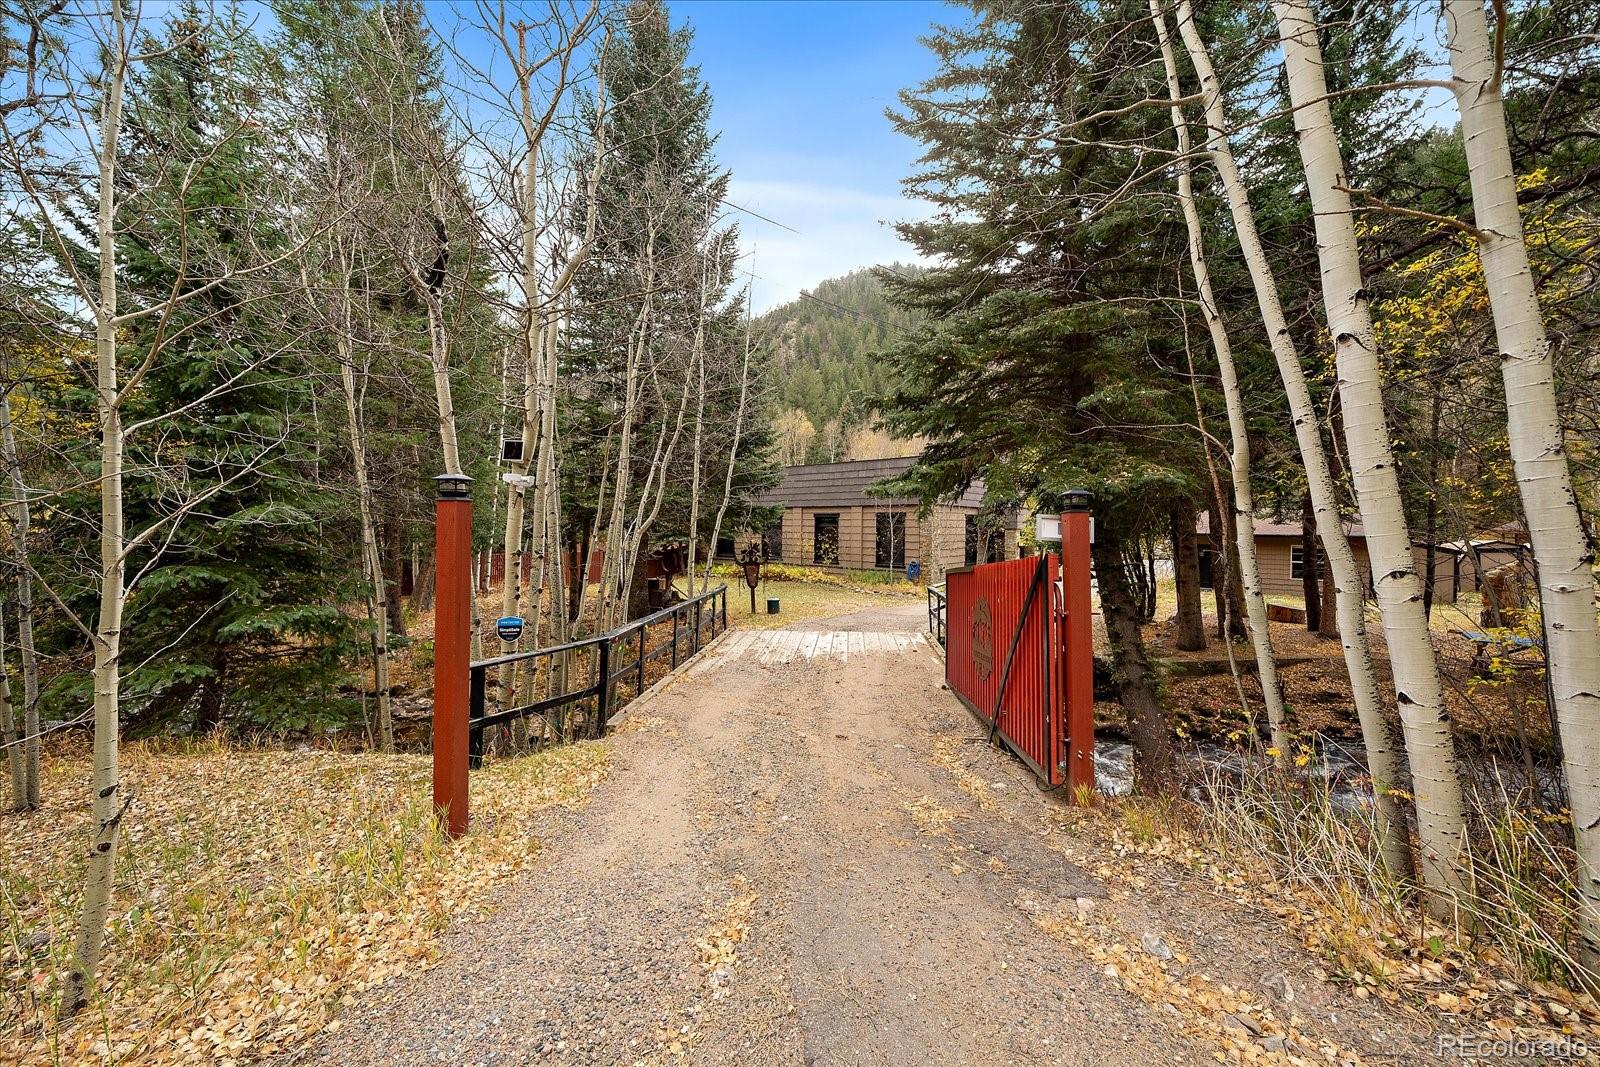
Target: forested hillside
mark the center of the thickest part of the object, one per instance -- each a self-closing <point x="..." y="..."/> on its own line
<point x="828" y="374"/>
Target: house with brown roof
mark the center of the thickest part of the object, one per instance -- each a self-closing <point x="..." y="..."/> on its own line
<point x="1280" y="554"/>
<point x="831" y="520"/>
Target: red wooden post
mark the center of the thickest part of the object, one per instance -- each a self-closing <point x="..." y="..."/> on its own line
<point x="1078" y="669"/>
<point x="452" y="649"/>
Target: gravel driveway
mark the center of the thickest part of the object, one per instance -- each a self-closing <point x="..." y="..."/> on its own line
<point x="784" y="868"/>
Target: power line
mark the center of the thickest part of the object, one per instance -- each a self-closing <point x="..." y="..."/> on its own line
<point x="763" y="218"/>
<point x="867" y="315"/>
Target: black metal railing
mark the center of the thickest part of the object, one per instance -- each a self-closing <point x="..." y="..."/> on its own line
<point x="936" y="613"/>
<point x="594" y="661"/>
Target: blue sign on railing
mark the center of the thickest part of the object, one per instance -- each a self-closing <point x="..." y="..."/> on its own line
<point x="509" y="628"/>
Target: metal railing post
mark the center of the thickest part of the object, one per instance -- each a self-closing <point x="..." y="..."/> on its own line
<point x="674" y="639"/>
<point x="475" y="702"/>
<point x="638" y="686"/>
<point x="602" y="700"/>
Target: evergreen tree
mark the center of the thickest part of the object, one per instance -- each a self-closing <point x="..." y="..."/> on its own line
<point x="243" y="602"/>
<point x="827" y="349"/>
<point x="1047" y="365"/>
<point x="662" y="180"/>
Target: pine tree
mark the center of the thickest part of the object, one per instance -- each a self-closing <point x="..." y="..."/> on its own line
<point x="662" y="203"/>
<point x="237" y="611"/>
<point x="1035" y="374"/>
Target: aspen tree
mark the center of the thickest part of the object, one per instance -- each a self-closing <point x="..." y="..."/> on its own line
<point x="109" y="802"/>
<point x="1382" y="760"/>
<point x="1565" y="558"/>
<point x="21" y="514"/>
<point x="733" y="448"/>
<point x="10" y="737"/>
<point x="372" y="564"/>
<point x="1239" y="452"/>
<point x="1430" y="746"/>
<point x="698" y="371"/>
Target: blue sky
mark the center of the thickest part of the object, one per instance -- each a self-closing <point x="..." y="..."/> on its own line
<point x="799" y="89"/>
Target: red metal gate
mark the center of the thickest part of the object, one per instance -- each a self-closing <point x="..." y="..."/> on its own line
<point x="1018" y="654"/>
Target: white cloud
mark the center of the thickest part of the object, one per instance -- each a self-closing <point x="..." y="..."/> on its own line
<point x="841" y="229"/>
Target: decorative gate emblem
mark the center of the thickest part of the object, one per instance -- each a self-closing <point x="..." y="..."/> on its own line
<point x="982" y="639"/>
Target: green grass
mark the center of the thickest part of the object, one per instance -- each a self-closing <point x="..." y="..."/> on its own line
<point x="800" y="601"/>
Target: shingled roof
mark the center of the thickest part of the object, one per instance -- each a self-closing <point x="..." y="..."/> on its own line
<point x="844" y="485"/>
<point x="1268" y="528"/>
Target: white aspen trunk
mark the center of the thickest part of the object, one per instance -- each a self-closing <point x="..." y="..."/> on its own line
<point x="372" y="562"/>
<point x="656" y="478"/>
<point x="733" y="449"/>
<point x="21" y="515"/>
<point x="8" y="728"/>
<point x="100" y="869"/>
<point x="439" y="356"/>
<point x="544" y="472"/>
<point x="557" y="588"/>
<point x="1436" y="782"/>
<point x="698" y="361"/>
<point x="694" y="472"/>
<point x="516" y="495"/>
<point x="512" y="548"/>
<point x="1382" y="759"/>
<point x="1564" y="556"/>
<point x="542" y="365"/>
<point x="1222" y="576"/>
<point x="617" y="537"/>
<point x="582" y="613"/>
<point x="1239" y="452"/>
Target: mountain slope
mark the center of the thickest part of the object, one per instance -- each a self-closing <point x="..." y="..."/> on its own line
<point x="827" y="370"/>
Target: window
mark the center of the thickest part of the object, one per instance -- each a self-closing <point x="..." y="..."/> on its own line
<point x="891" y="546"/>
<point x="1208" y="567"/>
<point x="1297" y="562"/>
<point x="984" y="545"/>
<point x="772" y="543"/>
<point x="825" y="539"/>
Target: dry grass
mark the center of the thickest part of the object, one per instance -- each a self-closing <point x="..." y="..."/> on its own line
<point x="1520" y="916"/>
<point x="257" y="891"/>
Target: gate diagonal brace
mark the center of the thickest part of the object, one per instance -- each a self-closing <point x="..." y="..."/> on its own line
<point x="1016" y="639"/>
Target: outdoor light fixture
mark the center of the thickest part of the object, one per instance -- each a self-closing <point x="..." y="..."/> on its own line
<point x="750" y="563"/>
<point x="454" y="487"/>
<point x="1078" y="500"/>
<point x="511" y="449"/>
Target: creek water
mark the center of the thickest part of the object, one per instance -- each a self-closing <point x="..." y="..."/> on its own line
<point x="1338" y="766"/>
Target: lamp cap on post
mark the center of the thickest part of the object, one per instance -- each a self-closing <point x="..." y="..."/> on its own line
<point x="453" y="486"/>
<point x="1077" y="500"/>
